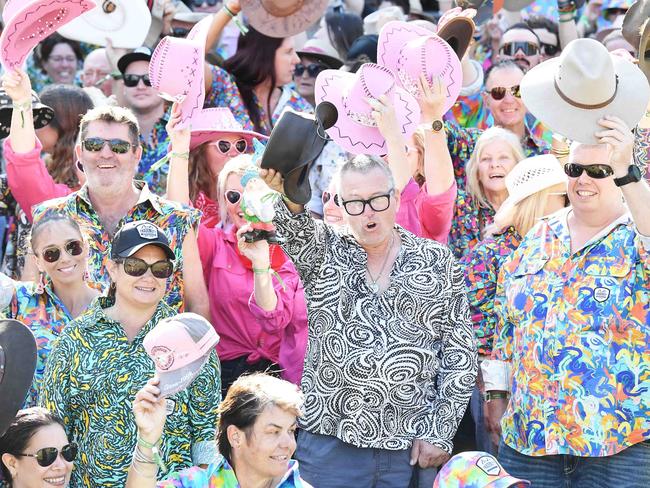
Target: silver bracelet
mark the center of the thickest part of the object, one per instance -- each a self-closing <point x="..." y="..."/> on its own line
<point x="134" y="465"/>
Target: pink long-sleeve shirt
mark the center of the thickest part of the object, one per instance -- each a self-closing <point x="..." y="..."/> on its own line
<point x="28" y="178"/>
<point x="245" y="329"/>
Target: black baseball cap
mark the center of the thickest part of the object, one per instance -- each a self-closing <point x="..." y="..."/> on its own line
<point x="140" y="54"/>
<point x="135" y="235"/>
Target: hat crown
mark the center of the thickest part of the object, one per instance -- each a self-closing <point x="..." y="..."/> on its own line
<point x="372" y="81"/>
<point x="586" y="73"/>
<point x="534" y="174"/>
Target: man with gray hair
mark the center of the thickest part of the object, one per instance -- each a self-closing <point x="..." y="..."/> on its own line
<point x="391" y="360"/>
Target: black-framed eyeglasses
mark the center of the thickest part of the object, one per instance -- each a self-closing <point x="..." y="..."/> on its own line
<point x="51" y="254"/>
<point x="327" y="196"/>
<point x="595" y="171"/>
<point x="224" y="146"/>
<point x="132" y="80"/>
<point x="47" y="455"/>
<point x="511" y="48"/>
<point x="549" y="49"/>
<point x="378" y="204"/>
<point x="312" y="69"/>
<point x="162" y="269"/>
<point x="499" y="92"/>
<point x="96" y="144"/>
<point x="233" y="196"/>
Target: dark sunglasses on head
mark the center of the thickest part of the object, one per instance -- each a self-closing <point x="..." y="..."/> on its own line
<point x="326" y="196"/>
<point x="378" y="204"/>
<point x="596" y="171"/>
<point x="96" y="144"/>
<point x="499" y="92"/>
<point x="550" y="49"/>
<point x="52" y="254"/>
<point x="224" y="146"/>
<point x="133" y="80"/>
<point x="233" y="196"/>
<point x="511" y="48"/>
<point x="46" y="456"/>
<point x="137" y="267"/>
<point x="312" y="69"/>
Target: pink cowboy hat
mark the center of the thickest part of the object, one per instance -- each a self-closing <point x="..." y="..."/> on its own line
<point x="411" y="51"/>
<point x="212" y="123"/>
<point x="28" y="22"/>
<point x="176" y="70"/>
<point x="355" y="129"/>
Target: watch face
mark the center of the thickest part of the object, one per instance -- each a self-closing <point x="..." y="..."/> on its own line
<point x="437" y="125"/>
<point x="635" y="172"/>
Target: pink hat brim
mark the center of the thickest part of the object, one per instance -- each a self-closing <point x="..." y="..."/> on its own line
<point x="211" y="124"/>
<point x="396" y="34"/>
<point x="34" y="22"/>
<point x="332" y="85"/>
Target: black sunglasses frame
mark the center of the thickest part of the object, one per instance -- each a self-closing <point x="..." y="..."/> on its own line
<point x="68" y="452"/>
<point x="368" y="202"/>
<point x="137" y="267"/>
<point x="312" y="69"/>
<point x="233" y="200"/>
<point x="511" y="48"/>
<point x="499" y="92"/>
<point x="96" y="144"/>
<point x="131" y="80"/>
<point x="73" y="247"/>
<point x="549" y="49"/>
<point x="595" y="171"/>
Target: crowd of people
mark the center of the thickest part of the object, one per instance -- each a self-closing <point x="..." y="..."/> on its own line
<point x="325" y="243"/>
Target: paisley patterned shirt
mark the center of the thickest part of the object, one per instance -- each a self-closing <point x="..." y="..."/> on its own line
<point x="381" y="369"/>
<point x="221" y="475"/>
<point x="482" y="265"/>
<point x="154" y="149"/>
<point x="91" y="378"/>
<point x="576" y="327"/>
<point x="174" y="218"/>
<point x="225" y="93"/>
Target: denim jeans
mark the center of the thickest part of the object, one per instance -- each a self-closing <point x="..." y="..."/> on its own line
<point x="327" y="462"/>
<point x="629" y="468"/>
<point x="483" y="441"/>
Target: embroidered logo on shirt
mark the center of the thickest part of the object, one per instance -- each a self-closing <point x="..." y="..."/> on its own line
<point x="147" y="231"/>
<point x="488" y="465"/>
<point x="601" y="294"/>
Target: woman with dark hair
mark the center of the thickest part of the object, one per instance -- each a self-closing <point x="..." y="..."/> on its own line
<point x="61" y="292"/>
<point x="343" y="28"/>
<point x="57" y="59"/>
<point x="254" y="82"/>
<point x="35" y="451"/>
<point x="255" y="435"/>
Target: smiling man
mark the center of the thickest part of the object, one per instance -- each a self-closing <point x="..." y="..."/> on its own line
<point x="391" y="360"/>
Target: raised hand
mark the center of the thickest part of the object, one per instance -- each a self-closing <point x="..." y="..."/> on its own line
<point x="150" y="412"/>
<point x="17" y="85"/>
<point x="257" y="252"/>
<point x="432" y="99"/>
<point x="618" y="136"/>
<point x="273" y="179"/>
<point x="179" y="138"/>
<point x="383" y="112"/>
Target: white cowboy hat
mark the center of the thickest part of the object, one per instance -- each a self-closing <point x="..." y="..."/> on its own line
<point x="124" y="22"/>
<point x="570" y="93"/>
<point x="183" y="14"/>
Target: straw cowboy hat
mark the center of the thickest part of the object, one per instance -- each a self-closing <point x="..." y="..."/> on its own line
<point x="572" y="92"/>
<point x="176" y="70"/>
<point x="183" y="14"/>
<point x="372" y="23"/>
<point x="28" y="22"/>
<point x="633" y="21"/>
<point x="124" y="22"/>
<point x="17" y="366"/>
<point x="355" y="129"/>
<point x="410" y="51"/>
<point x="283" y="18"/>
<point x="212" y="123"/>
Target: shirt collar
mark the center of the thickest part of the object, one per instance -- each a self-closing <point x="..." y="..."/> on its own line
<point x="145" y="195"/>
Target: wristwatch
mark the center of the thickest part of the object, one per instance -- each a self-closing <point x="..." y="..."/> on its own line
<point x="493" y="395"/>
<point x="436" y="125"/>
<point x="633" y="175"/>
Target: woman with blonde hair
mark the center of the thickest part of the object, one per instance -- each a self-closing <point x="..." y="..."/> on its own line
<point x="537" y="186"/>
<point x="496" y="152"/>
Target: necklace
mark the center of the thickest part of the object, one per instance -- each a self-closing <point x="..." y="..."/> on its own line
<point x="374" y="286"/>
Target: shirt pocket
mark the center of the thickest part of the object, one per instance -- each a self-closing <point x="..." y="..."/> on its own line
<point x="604" y="286"/>
<point x="521" y="290"/>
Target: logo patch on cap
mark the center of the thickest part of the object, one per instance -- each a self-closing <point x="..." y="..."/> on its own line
<point x="488" y="465"/>
<point x="147" y="231"/>
<point x="163" y="357"/>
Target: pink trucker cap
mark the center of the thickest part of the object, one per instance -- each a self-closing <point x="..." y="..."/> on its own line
<point x="179" y="347"/>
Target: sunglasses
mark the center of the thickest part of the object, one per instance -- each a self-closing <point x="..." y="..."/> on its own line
<point x="52" y="254"/>
<point x="327" y="196"/>
<point x="233" y="196"/>
<point x="224" y="146"/>
<point x="133" y="80"/>
<point x="312" y="69"/>
<point x="550" y="49"/>
<point x="596" y="171"/>
<point x="199" y="3"/>
<point x="96" y="144"/>
<point x="499" y="92"/>
<point x="511" y="48"/>
<point x="46" y="456"/>
<point x="137" y="267"/>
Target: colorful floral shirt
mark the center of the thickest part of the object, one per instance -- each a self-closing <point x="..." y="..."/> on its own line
<point x="46" y="316"/>
<point x="225" y="93"/>
<point x="469" y="217"/>
<point x="174" y="218"/>
<point x="90" y="381"/>
<point x="155" y="148"/>
<point x="221" y="475"/>
<point x="482" y="265"/>
<point x="575" y="326"/>
<point x="18" y="232"/>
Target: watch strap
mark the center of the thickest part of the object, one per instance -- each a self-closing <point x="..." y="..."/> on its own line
<point x="633" y="175"/>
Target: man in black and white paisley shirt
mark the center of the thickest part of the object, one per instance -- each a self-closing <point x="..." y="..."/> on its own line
<point x="391" y="360"/>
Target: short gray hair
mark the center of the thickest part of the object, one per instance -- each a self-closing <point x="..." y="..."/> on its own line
<point x="364" y="164"/>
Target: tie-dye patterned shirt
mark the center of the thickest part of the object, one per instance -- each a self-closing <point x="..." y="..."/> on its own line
<point x="155" y="148"/>
<point x="91" y="378"/>
<point x="482" y="265"/>
<point x="221" y="475"/>
<point x="173" y="218"/>
<point x="576" y="327"/>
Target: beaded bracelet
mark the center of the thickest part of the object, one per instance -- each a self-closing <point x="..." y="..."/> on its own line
<point x="242" y="28"/>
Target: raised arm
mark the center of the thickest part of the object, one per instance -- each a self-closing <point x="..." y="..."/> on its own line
<point x="178" y="185"/>
<point x="219" y="21"/>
